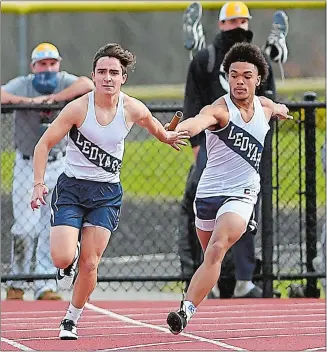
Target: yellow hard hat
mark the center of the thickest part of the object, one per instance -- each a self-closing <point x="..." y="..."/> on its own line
<point x="234" y="9"/>
<point x="45" y="51"/>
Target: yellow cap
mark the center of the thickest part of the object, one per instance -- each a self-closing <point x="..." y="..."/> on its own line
<point x="45" y="51"/>
<point x="234" y="9"/>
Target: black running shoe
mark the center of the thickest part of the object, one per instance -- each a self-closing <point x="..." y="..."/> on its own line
<point x="177" y="321"/>
<point x="194" y="38"/>
<point x="275" y="46"/>
<point x="68" y="330"/>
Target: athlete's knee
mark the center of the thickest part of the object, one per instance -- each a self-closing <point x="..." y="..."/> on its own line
<point x="89" y="265"/>
<point x="215" y="252"/>
<point x="61" y="262"/>
<point x="61" y="259"/>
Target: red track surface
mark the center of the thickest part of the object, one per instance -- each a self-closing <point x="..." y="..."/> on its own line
<point x="218" y="325"/>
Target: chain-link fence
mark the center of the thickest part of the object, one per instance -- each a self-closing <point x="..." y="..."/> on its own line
<point x="143" y="251"/>
<point x="294" y="196"/>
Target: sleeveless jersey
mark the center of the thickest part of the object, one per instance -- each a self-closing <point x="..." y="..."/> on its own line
<point x="234" y="154"/>
<point x="94" y="151"/>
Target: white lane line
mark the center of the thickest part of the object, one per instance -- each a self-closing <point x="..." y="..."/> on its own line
<point x="206" y="317"/>
<point x="146" y="345"/>
<point x="45" y="325"/>
<point x="215" y="314"/>
<point x="227" y="308"/>
<point x="55" y="317"/>
<point x="16" y="344"/>
<point x="274" y="336"/>
<point x="159" y="328"/>
<point x="193" y="330"/>
<point x="187" y="341"/>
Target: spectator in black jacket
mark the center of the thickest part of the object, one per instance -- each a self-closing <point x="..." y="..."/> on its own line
<point x="205" y="83"/>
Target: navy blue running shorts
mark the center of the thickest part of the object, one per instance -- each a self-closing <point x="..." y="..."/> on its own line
<point x="207" y="210"/>
<point x="79" y="203"/>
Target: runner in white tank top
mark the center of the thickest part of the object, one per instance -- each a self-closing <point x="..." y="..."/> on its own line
<point x="236" y="126"/>
<point x="102" y="161"/>
<point x="88" y="194"/>
<point x="234" y="154"/>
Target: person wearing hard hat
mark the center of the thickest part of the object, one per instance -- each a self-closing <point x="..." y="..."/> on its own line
<point x="46" y="83"/>
<point x="205" y="83"/>
<point x="194" y="37"/>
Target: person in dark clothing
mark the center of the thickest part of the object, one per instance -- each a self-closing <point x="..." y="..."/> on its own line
<point x="205" y="83"/>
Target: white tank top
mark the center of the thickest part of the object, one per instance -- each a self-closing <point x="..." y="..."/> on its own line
<point x="94" y="151"/>
<point x="234" y="154"/>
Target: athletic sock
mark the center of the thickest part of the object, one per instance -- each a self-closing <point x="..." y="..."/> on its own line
<point x="189" y="309"/>
<point x="73" y="313"/>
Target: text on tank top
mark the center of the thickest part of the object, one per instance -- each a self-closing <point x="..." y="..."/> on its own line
<point x="234" y="153"/>
<point x="95" y="151"/>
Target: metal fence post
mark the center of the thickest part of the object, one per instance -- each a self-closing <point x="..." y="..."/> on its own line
<point x="310" y="191"/>
<point x="22" y="46"/>
<point x="267" y="216"/>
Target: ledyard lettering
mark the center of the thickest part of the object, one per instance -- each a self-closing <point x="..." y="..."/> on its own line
<point x="94" y="153"/>
<point x="243" y="143"/>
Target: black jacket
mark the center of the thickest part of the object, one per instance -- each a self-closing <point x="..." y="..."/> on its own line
<point x="203" y="87"/>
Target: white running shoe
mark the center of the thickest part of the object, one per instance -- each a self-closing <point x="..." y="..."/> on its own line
<point x="65" y="277"/>
<point x="276" y="46"/>
<point x="68" y="330"/>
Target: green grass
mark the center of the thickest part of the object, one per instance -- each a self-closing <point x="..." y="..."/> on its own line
<point x="152" y="169"/>
<point x="156" y="171"/>
<point x="281" y="286"/>
<point x="290" y="168"/>
<point x="7" y="168"/>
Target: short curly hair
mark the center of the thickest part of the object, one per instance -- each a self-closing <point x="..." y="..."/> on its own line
<point x="126" y="58"/>
<point x="247" y="52"/>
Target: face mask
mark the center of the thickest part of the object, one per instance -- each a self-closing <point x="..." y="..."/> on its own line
<point x="237" y="35"/>
<point x="45" y="82"/>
